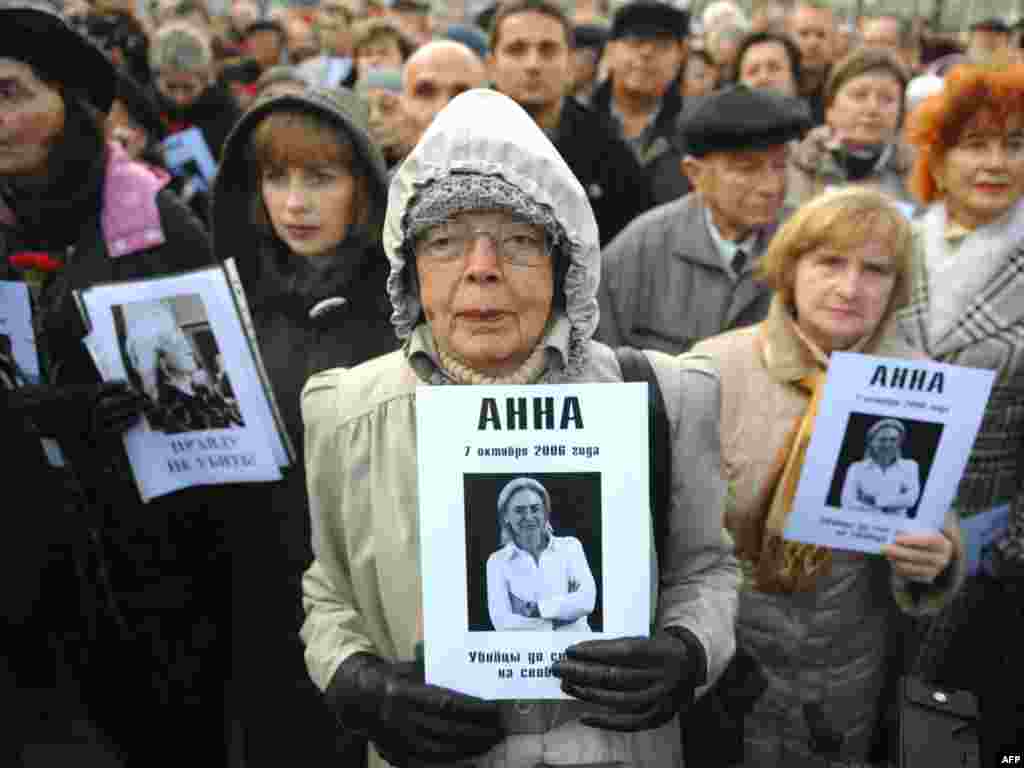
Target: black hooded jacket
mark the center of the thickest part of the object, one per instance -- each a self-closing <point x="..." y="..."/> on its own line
<point x="618" y="188"/>
<point x="663" y="156"/>
<point x="307" y="319"/>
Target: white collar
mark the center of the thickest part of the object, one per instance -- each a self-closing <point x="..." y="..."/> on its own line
<point x="512" y="551"/>
<point x="727" y="248"/>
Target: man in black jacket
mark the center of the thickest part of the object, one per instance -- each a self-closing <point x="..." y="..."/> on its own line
<point x="530" y="63"/>
<point x="641" y="97"/>
<point x="75" y="212"/>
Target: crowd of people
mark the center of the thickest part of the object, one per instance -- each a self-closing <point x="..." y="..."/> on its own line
<point x="508" y="196"/>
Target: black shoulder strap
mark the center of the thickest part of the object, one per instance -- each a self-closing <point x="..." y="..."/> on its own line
<point x="637" y="367"/>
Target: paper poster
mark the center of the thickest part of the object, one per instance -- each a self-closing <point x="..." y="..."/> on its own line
<point x="187" y="155"/>
<point x="180" y="342"/>
<point x="19" y="358"/>
<point x="535" y="529"/>
<point x="890" y="444"/>
<point x="978" y="533"/>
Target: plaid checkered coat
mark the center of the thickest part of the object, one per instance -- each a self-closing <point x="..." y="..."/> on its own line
<point x="987" y="333"/>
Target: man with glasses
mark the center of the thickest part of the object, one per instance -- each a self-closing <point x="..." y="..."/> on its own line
<point x="685" y="270"/>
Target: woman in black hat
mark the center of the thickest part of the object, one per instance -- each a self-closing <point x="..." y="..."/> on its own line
<point x="77" y="212"/>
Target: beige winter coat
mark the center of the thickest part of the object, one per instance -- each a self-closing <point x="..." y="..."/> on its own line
<point x="825" y="648"/>
<point x="363" y="591"/>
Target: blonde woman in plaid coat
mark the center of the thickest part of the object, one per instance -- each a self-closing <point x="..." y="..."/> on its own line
<point x="967" y="308"/>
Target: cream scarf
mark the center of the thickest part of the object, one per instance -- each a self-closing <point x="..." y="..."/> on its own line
<point x="527" y="373"/>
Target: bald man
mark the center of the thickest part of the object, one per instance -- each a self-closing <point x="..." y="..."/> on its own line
<point x="434" y="75"/>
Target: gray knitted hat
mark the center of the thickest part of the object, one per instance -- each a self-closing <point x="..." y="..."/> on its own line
<point x="462" y="192"/>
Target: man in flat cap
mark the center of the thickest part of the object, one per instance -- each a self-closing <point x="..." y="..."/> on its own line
<point x="588" y="41"/>
<point x="988" y="38"/>
<point x="685" y="270"/>
<point x="647" y="48"/>
<point x="148" y="606"/>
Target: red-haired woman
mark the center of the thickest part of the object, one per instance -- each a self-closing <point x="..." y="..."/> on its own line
<point x="967" y="308"/>
<point x="298" y="205"/>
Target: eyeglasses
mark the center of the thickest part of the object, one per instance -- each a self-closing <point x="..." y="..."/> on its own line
<point x="516" y="243"/>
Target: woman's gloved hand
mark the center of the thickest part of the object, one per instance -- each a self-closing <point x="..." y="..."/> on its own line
<point x="645" y="681"/>
<point x="407" y="720"/>
<point x="116" y="407"/>
<point x="107" y="408"/>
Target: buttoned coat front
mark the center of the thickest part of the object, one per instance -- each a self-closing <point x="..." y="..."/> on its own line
<point x="664" y="286"/>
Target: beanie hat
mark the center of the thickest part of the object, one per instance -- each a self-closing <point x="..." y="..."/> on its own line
<point x="461" y="192"/>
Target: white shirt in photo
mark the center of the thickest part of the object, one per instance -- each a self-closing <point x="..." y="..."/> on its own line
<point x="890" y="490"/>
<point x="513" y="571"/>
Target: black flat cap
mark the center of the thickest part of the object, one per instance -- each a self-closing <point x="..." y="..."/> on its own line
<point x="649" y="18"/>
<point x="739" y="118"/>
<point x="36" y="35"/>
<point x="589" y="35"/>
<point x="992" y="25"/>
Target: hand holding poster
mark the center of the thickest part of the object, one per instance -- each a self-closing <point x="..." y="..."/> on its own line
<point x="889" y="446"/>
<point x="180" y="341"/>
<point x="534" y="529"/>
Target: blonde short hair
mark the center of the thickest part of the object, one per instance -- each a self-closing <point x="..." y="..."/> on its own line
<point x="844" y="218"/>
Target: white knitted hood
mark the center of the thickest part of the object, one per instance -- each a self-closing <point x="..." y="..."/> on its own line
<point x="483" y="131"/>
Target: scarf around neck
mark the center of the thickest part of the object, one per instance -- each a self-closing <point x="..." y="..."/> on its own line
<point x="780" y="565"/>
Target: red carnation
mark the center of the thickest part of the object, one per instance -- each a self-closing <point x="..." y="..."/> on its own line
<point x="38" y="260"/>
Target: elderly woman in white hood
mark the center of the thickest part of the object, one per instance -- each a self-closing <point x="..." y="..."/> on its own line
<point x="494" y="271"/>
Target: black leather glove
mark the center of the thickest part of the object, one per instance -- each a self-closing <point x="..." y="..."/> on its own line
<point x="645" y="681"/>
<point x="116" y="407"/>
<point x="407" y="720"/>
<point x="108" y="408"/>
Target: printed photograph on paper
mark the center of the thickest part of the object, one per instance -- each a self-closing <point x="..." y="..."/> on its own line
<point x="19" y="358"/>
<point x="12" y="374"/>
<point x="533" y="552"/>
<point x="172" y="356"/>
<point x="188" y="156"/>
<point x="889" y="446"/>
<point x="883" y="465"/>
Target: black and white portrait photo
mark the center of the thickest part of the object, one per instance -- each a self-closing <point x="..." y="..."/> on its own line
<point x="12" y="375"/>
<point x="534" y="551"/>
<point x="884" y="464"/>
<point x="172" y="357"/>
